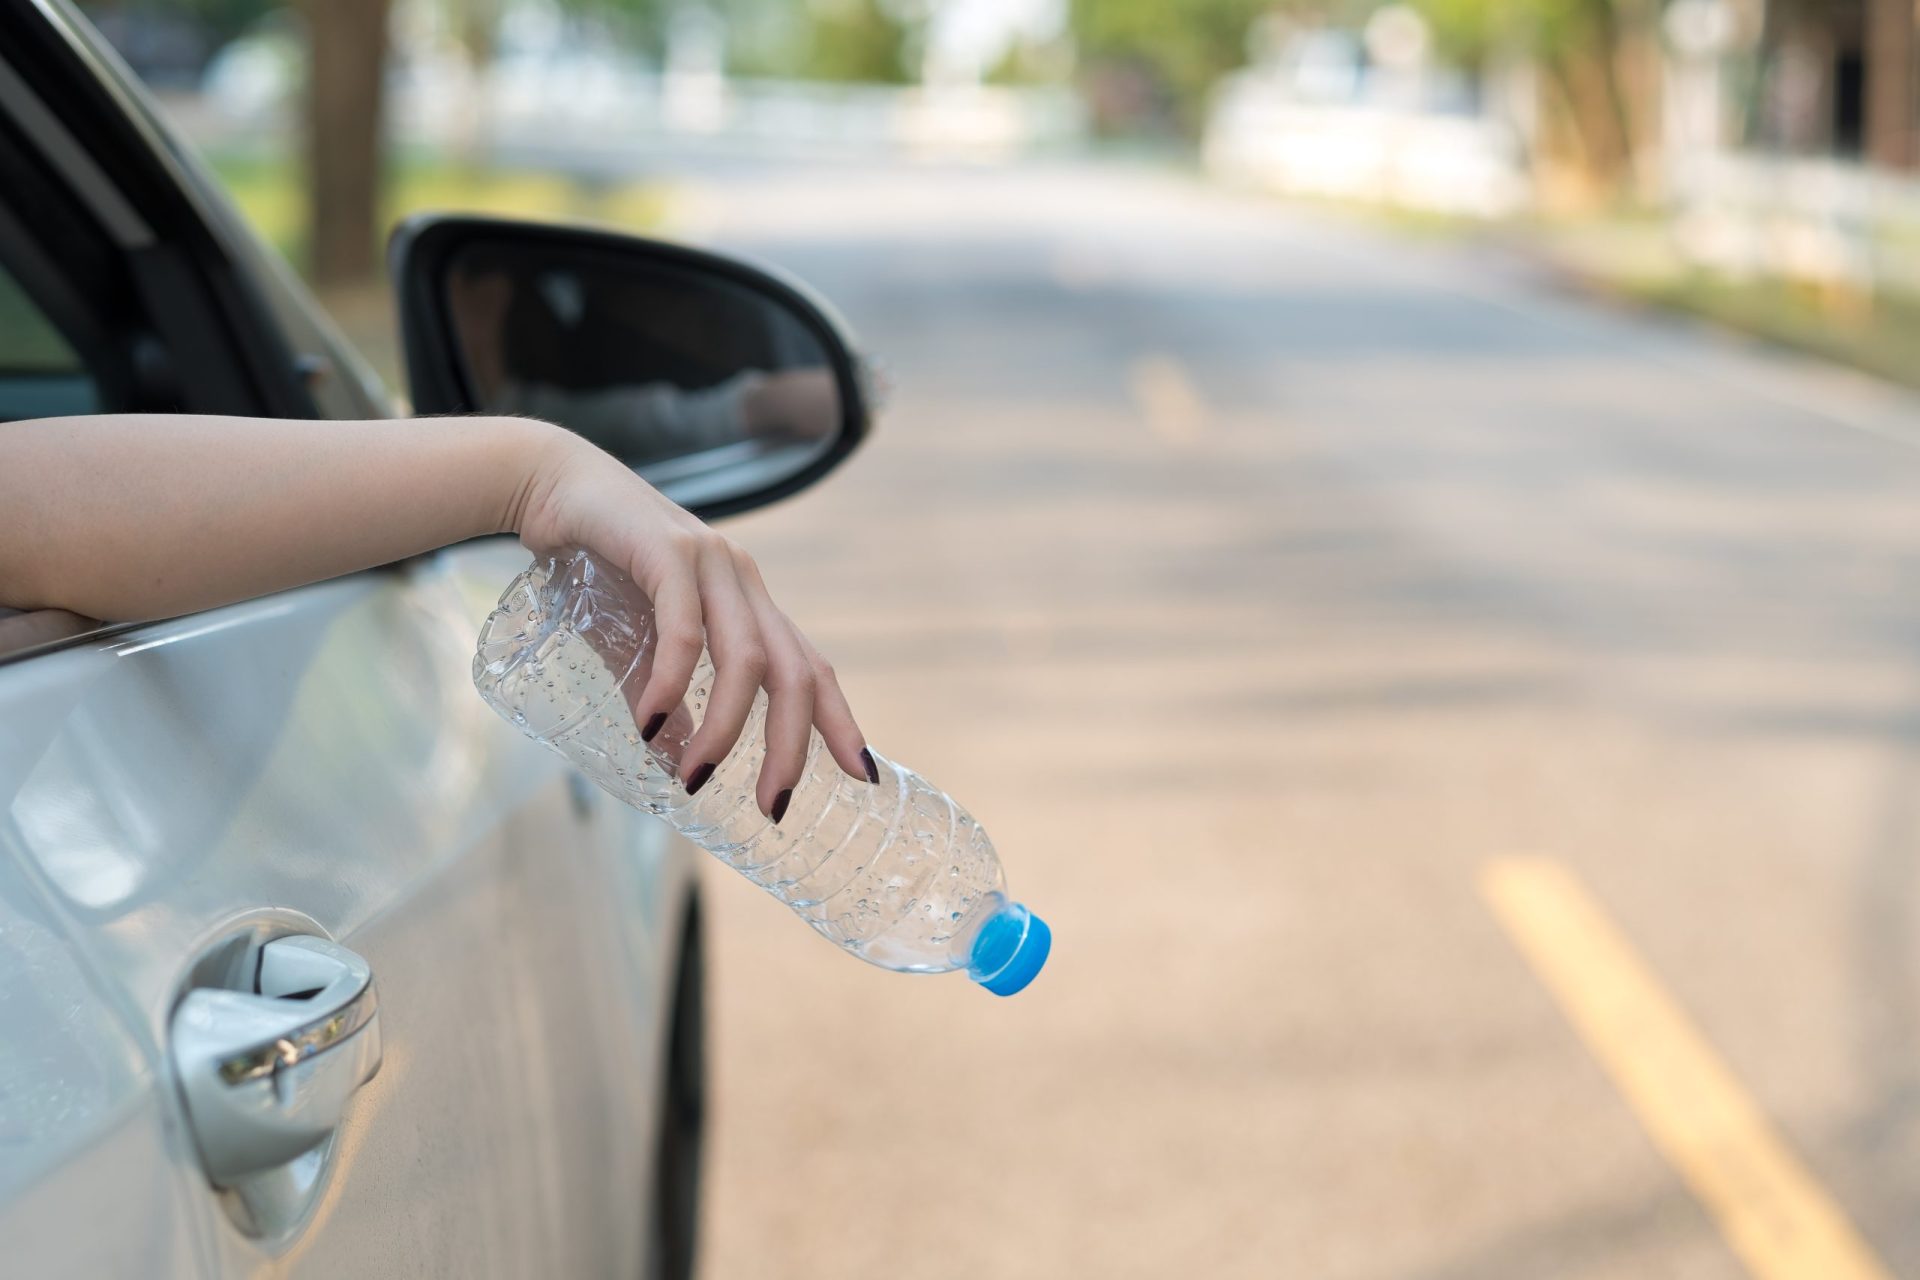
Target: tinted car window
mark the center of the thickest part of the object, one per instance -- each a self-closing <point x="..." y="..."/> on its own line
<point x="40" y="375"/>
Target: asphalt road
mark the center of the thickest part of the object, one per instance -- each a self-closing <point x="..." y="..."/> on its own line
<point x="1266" y="585"/>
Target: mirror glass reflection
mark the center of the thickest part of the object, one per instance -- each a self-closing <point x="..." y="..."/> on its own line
<point x="676" y="368"/>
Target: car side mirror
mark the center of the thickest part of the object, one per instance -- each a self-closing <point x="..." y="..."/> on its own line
<point x="725" y="385"/>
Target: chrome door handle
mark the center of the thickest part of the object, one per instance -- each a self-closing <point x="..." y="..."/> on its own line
<point x="267" y="1074"/>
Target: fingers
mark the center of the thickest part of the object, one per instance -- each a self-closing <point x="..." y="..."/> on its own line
<point x="739" y="663"/>
<point x="678" y="638"/>
<point x="789" y="710"/>
<point x="665" y="733"/>
<point x="834" y="717"/>
<point x="708" y="593"/>
<point x="813" y="694"/>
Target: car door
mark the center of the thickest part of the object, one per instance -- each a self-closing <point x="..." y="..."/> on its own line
<point x="89" y="1180"/>
<point x="313" y="764"/>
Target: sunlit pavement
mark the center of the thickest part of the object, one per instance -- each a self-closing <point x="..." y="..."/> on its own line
<point x="1272" y="589"/>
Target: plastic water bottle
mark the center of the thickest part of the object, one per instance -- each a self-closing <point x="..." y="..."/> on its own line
<point x="893" y="871"/>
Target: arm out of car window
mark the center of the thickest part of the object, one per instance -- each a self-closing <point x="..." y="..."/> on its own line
<point x="135" y="516"/>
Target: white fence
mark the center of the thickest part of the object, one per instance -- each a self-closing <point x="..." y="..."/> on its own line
<point x="1821" y="221"/>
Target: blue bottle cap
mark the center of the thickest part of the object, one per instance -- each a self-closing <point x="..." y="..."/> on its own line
<point x="1010" y="950"/>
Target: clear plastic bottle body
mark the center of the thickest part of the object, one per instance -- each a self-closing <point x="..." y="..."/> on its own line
<point x="894" y="872"/>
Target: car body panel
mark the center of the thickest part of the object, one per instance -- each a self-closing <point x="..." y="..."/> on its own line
<point x="322" y="752"/>
<point x="90" y="1182"/>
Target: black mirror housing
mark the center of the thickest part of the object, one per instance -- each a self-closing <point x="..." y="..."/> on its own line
<point x="725" y="384"/>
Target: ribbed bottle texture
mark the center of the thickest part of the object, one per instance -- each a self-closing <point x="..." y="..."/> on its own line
<point x="894" y="871"/>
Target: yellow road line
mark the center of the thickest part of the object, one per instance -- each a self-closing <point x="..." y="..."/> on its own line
<point x="1774" y="1215"/>
<point x="1167" y="398"/>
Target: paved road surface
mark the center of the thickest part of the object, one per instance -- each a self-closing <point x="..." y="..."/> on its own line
<point x="1264" y="584"/>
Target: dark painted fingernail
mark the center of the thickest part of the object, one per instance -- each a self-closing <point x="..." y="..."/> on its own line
<point x="780" y="803"/>
<point x="698" y="779"/>
<point x="653" y="726"/>
<point x="873" y="770"/>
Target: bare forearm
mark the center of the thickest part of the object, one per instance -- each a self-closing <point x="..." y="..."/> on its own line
<point x="143" y="516"/>
<point x="125" y="517"/>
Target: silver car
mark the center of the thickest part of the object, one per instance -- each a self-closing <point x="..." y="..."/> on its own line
<point x="308" y="964"/>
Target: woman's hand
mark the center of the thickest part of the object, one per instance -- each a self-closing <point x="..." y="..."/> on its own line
<point x="706" y="590"/>
<point x="131" y="516"/>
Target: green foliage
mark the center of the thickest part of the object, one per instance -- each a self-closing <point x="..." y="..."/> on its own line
<point x="267" y="187"/>
<point x="1184" y="44"/>
<point x="1465" y="31"/>
<point x="860" y="41"/>
<point x="637" y="24"/>
<point x="1027" y="62"/>
<point x="764" y="37"/>
<point x="29" y="343"/>
<point x="851" y="41"/>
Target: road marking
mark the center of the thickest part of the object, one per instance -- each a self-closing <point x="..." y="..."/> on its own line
<point x="1775" y="1216"/>
<point x="1167" y="398"/>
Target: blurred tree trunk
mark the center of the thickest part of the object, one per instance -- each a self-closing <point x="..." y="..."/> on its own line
<point x="1753" y="100"/>
<point x="1890" y="83"/>
<point x="345" y="83"/>
<point x="1588" y="77"/>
